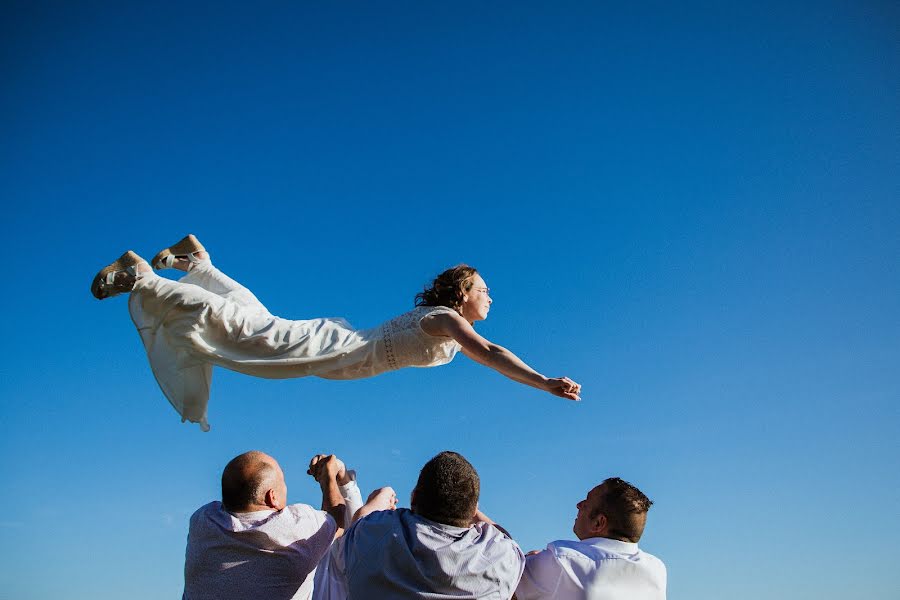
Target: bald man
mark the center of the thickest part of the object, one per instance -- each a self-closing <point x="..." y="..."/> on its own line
<point x="253" y="544"/>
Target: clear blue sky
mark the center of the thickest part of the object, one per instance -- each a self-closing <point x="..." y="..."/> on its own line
<point x="692" y="209"/>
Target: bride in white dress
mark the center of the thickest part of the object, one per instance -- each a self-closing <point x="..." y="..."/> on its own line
<point x="206" y="319"/>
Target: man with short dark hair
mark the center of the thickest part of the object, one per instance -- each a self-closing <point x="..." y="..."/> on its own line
<point x="443" y="547"/>
<point x="606" y="563"/>
<point x="253" y="544"/>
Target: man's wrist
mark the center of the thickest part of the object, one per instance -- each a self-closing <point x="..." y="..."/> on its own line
<point x="328" y="480"/>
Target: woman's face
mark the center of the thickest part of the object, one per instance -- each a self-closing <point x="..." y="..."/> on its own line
<point x="477" y="301"/>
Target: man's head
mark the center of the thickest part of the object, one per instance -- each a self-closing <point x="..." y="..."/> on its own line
<point x="614" y="509"/>
<point x="253" y="481"/>
<point x="447" y="490"/>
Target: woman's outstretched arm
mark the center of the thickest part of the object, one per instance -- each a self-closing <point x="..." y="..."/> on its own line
<point x="497" y="357"/>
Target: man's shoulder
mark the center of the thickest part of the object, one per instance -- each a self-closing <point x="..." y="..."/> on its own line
<point x="652" y="558"/>
<point x="494" y="536"/>
<point x="598" y="549"/>
<point x="214" y="507"/>
<point x="497" y="545"/>
<point x="296" y="511"/>
<point x="302" y="515"/>
<point x="561" y="546"/>
<point x="301" y="510"/>
<point x="382" y="520"/>
<point x="374" y="526"/>
<point x="580" y="549"/>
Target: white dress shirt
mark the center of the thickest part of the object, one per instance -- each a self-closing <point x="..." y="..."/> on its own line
<point x="593" y="569"/>
<point x="329" y="585"/>
<point x="262" y="554"/>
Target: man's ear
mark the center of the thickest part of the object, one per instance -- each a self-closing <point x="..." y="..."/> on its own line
<point x="600" y="525"/>
<point x="271" y="499"/>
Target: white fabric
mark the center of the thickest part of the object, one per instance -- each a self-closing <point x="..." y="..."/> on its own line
<point x="207" y="318"/>
<point x="329" y="586"/>
<point x="262" y="554"/>
<point x="593" y="569"/>
<point x="392" y="555"/>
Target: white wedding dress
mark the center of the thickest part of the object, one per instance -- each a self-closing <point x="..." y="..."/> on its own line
<point x="206" y="319"/>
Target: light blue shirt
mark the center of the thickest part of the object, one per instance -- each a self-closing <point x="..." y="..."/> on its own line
<point x="390" y="555"/>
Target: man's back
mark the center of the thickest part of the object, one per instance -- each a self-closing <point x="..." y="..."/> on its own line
<point x="262" y="554"/>
<point x="398" y="554"/>
<point x="593" y="569"/>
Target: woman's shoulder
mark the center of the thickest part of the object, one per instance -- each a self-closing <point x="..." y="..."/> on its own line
<point x="426" y="311"/>
<point x="418" y="319"/>
<point x="437" y="316"/>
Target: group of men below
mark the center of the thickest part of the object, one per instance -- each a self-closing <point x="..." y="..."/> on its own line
<point x="253" y="544"/>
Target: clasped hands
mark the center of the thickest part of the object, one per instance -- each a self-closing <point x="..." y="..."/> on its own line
<point x="325" y="467"/>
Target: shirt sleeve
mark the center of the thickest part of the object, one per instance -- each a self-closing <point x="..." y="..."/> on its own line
<point x="541" y="576"/>
<point x="515" y="566"/>
<point x="322" y="535"/>
<point x="330" y="582"/>
<point x="352" y="499"/>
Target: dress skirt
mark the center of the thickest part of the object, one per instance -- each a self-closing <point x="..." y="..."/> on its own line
<point x="207" y="319"/>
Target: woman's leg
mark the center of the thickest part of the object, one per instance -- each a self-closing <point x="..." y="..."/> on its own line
<point x="164" y="312"/>
<point x="186" y="329"/>
<point x="208" y="277"/>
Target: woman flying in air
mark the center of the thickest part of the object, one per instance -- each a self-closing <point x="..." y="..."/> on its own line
<point x="206" y="319"/>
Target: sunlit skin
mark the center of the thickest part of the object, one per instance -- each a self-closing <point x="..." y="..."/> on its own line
<point x="477" y="301"/>
<point x="274" y="496"/>
<point x="476" y="304"/>
<point x="280" y="491"/>
<point x="586" y="527"/>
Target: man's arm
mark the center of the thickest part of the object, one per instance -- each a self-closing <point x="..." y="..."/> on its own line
<point x="480" y="517"/>
<point x="541" y="577"/>
<point x="325" y="469"/>
<point x="381" y="499"/>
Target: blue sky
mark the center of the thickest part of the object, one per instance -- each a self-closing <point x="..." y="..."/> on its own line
<point x="692" y="210"/>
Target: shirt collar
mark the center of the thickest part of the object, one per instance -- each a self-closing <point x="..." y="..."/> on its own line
<point x="452" y="529"/>
<point x="616" y="546"/>
<point x="254" y="515"/>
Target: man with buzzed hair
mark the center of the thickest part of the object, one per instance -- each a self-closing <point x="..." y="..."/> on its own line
<point x="253" y="544"/>
<point x="606" y="563"/>
<point x="441" y="547"/>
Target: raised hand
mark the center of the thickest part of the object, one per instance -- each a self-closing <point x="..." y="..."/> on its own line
<point x="382" y="499"/>
<point x="327" y="465"/>
<point x="564" y="388"/>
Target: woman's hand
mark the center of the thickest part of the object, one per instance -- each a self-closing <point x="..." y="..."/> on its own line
<point x="564" y="388"/>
